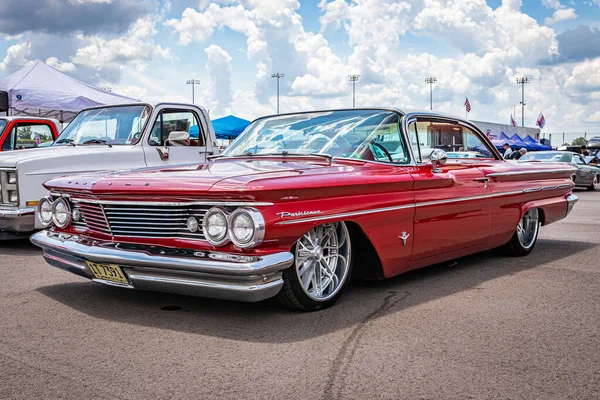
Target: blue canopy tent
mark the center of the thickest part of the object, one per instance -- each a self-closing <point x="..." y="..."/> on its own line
<point x="228" y="127"/>
<point x="538" y="146"/>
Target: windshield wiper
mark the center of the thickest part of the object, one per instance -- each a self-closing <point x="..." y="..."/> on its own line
<point x="65" y="140"/>
<point x="97" y="141"/>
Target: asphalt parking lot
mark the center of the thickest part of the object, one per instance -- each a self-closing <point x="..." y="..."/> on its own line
<point x="484" y="327"/>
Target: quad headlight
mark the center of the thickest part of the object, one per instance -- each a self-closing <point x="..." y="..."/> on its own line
<point x="245" y="227"/>
<point x="45" y="211"/>
<point x="61" y="213"/>
<point x="12" y="177"/>
<point x="214" y="226"/>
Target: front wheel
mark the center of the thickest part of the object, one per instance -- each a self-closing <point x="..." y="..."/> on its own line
<point x="594" y="184"/>
<point x="525" y="237"/>
<point x="321" y="269"/>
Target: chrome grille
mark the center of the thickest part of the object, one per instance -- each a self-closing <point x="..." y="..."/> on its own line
<point x="142" y="219"/>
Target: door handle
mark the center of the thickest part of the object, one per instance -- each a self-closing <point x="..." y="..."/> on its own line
<point x="481" y="179"/>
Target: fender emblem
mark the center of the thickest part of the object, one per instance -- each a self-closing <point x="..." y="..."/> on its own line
<point x="286" y="214"/>
<point x="404" y="237"/>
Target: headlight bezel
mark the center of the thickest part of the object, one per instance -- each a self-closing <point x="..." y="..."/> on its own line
<point x="45" y="200"/>
<point x="68" y="213"/>
<point x="225" y="238"/>
<point x="258" y="223"/>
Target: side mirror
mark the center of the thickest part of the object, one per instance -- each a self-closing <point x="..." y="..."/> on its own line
<point x="438" y="157"/>
<point x="178" y="138"/>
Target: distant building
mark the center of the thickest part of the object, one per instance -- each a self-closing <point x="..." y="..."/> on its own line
<point x="493" y="130"/>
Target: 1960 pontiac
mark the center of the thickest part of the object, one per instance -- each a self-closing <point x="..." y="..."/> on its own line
<point x="300" y="202"/>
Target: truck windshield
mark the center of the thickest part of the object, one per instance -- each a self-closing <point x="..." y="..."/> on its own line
<point x="362" y="134"/>
<point x="120" y="125"/>
<point x="2" y="125"/>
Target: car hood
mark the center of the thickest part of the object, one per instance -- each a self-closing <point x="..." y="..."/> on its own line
<point x="236" y="179"/>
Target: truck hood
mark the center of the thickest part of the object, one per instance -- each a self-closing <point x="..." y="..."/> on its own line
<point x="11" y="159"/>
<point x="247" y="179"/>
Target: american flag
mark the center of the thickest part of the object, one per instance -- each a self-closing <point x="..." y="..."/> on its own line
<point x="468" y="105"/>
<point x="541" y="121"/>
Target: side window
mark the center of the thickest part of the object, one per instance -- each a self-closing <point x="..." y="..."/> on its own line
<point x="176" y="121"/>
<point x="414" y="141"/>
<point x="27" y="136"/>
<point x="577" y="160"/>
<point x="456" y="140"/>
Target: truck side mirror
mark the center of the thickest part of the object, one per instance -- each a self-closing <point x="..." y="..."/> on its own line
<point x="178" y="138"/>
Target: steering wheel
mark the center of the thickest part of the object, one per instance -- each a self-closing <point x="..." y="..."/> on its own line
<point x="383" y="149"/>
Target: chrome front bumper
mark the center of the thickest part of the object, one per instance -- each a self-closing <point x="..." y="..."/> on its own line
<point x="15" y="221"/>
<point x="571" y="200"/>
<point x="162" y="269"/>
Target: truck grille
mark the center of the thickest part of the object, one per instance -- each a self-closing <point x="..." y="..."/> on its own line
<point x="140" y="220"/>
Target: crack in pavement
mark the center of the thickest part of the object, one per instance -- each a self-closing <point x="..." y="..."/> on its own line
<point x="348" y="349"/>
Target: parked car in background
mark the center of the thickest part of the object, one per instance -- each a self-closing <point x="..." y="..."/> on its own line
<point x="594" y="143"/>
<point x="19" y="133"/>
<point x="465" y="154"/>
<point x="298" y="203"/>
<point x="585" y="176"/>
<point x="103" y="138"/>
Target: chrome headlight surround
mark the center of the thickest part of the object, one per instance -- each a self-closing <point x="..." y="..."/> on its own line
<point x="258" y="225"/>
<point x="67" y="219"/>
<point x="220" y="239"/>
<point x="47" y="202"/>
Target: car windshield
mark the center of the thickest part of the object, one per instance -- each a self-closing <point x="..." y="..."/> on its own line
<point x="362" y="134"/>
<point x="555" y="157"/>
<point x="110" y="125"/>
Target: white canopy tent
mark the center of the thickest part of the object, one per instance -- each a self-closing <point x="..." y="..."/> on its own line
<point x="42" y="91"/>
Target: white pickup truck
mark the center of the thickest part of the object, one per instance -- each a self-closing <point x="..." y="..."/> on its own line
<point x="105" y="138"/>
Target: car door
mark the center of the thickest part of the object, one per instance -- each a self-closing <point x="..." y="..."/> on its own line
<point x="159" y="150"/>
<point x="23" y="134"/>
<point x="452" y="204"/>
<point x="583" y="175"/>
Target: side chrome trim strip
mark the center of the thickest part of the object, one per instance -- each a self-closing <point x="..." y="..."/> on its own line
<point x="423" y="204"/>
<point x="542" y="171"/>
<point x="343" y="215"/>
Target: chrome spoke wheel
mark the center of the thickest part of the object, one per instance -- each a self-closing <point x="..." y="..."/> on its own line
<point x="323" y="260"/>
<point x="528" y="228"/>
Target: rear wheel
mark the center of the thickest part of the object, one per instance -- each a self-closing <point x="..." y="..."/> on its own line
<point x="525" y="237"/>
<point x="594" y="184"/>
<point x="321" y="270"/>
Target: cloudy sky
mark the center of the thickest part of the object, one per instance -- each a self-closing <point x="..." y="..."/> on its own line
<point x="476" y="48"/>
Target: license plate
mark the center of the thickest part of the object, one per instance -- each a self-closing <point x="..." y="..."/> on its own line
<point x="108" y="272"/>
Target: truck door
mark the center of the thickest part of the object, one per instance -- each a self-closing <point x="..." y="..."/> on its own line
<point x="159" y="150"/>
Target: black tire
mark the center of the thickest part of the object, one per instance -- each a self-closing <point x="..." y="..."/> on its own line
<point x="515" y="247"/>
<point x="294" y="296"/>
<point x="594" y="184"/>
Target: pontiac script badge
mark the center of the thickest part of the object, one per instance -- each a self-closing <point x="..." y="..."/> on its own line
<point x="404" y="237"/>
<point x="286" y="214"/>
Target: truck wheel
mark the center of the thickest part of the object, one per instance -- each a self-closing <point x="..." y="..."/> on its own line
<point x="321" y="270"/>
<point x="525" y="237"/>
<point x="594" y="184"/>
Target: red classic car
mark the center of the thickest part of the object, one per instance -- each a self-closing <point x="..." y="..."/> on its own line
<point x="299" y="203"/>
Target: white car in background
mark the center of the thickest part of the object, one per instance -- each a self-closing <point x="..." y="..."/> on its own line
<point x="105" y="138"/>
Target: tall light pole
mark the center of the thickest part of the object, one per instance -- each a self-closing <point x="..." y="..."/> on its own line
<point x="522" y="81"/>
<point x="193" y="82"/>
<point x="278" y="75"/>
<point x="353" y="78"/>
<point x="431" y="80"/>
